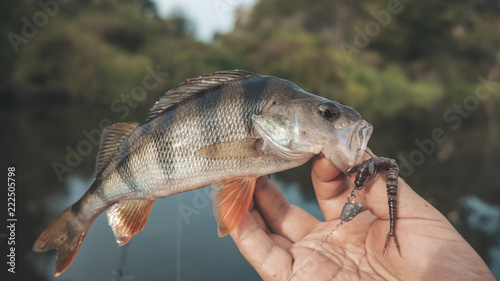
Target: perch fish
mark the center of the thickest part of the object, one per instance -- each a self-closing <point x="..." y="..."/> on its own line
<point x="223" y="129"/>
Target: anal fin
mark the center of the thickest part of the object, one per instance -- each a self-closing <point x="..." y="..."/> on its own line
<point x="231" y="199"/>
<point x="126" y="218"/>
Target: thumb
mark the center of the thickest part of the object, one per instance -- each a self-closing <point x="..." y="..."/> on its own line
<point x="331" y="187"/>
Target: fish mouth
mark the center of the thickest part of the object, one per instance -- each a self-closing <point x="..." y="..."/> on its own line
<point x="354" y="140"/>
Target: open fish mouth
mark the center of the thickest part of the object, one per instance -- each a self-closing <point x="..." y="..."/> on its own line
<point x="354" y="139"/>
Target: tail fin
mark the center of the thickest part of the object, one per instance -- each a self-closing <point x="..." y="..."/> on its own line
<point x="66" y="235"/>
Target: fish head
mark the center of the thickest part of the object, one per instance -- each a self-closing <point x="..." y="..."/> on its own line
<point x="299" y="125"/>
<point x="342" y="133"/>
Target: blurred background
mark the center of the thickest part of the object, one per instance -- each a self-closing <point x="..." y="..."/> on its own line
<point x="425" y="73"/>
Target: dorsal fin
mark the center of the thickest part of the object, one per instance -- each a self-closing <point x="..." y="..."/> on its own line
<point x="195" y="85"/>
<point x="112" y="137"/>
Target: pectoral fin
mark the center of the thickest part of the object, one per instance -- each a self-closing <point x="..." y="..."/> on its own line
<point x="251" y="147"/>
<point x="128" y="217"/>
<point x="231" y="199"/>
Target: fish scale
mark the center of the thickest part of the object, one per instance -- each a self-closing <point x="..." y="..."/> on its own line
<point x="209" y="128"/>
<point x="223" y="129"/>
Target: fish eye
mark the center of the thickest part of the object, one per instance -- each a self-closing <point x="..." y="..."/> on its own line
<point x="329" y="110"/>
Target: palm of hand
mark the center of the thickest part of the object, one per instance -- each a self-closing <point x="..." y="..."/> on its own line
<point x="343" y="256"/>
<point x="278" y="238"/>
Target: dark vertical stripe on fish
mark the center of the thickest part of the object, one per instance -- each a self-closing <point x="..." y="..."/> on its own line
<point x="253" y="90"/>
<point x="207" y="118"/>
<point x="208" y="114"/>
<point x="124" y="169"/>
<point x="92" y="193"/>
<point x="99" y="192"/>
<point x="162" y="142"/>
<point x="77" y="207"/>
<point x="96" y="190"/>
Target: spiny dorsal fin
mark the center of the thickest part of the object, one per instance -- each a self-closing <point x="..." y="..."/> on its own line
<point x="112" y="137"/>
<point x="128" y="217"/>
<point x="195" y="85"/>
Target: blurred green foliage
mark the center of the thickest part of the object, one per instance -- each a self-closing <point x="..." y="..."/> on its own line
<point x="417" y="73"/>
<point x="414" y="61"/>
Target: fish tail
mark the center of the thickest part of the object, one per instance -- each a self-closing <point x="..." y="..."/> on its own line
<point x="65" y="235"/>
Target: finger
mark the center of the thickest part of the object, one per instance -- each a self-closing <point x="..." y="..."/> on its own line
<point x="331" y="187"/>
<point x="260" y="250"/>
<point x="258" y="219"/>
<point x="280" y="216"/>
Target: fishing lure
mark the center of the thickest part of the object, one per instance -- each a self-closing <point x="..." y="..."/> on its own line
<point x="369" y="168"/>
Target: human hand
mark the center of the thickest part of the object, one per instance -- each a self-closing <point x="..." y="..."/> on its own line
<point x="276" y="237"/>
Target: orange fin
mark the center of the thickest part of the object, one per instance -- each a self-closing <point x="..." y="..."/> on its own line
<point x="65" y="234"/>
<point x="126" y="218"/>
<point x="231" y="199"/>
